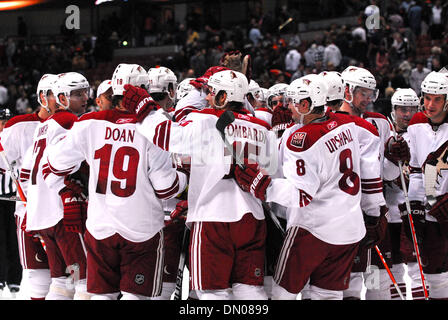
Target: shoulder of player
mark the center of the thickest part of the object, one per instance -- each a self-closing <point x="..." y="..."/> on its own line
<point x="375" y="115"/>
<point x="267" y="110"/>
<point x="23" y="118"/>
<point x="113" y="116"/>
<point x="64" y="118"/>
<point x="304" y="138"/>
<point x="418" y="118"/>
<point x="360" y="122"/>
<point x="378" y="118"/>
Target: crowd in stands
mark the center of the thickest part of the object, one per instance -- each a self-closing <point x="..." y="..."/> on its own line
<point x="409" y="43"/>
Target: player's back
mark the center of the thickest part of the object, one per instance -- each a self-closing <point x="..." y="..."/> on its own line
<point x="213" y="194"/>
<point x="121" y="197"/>
<point x="44" y="206"/>
<point x="323" y="159"/>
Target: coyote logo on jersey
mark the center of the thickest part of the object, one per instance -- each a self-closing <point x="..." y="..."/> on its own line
<point x="438" y="159"/>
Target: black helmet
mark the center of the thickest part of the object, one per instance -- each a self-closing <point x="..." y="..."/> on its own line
<point x="5" y="114"/>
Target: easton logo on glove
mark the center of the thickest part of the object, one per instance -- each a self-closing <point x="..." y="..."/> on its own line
<point x="255" y="182"/>
<point x="73" y="199"/>
<point x="142" y="104"/>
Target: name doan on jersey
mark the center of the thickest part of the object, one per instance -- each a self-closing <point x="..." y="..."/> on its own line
<point x="339" y="140"/>
<point x="124" y="135"/>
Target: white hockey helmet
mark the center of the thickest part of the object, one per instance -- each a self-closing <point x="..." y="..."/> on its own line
<point x="183" y="88"/>
<point x="404" y="97"/>
<point x="264" y="94"/>
<point x="359" y="77"/>
<point x="66" y="83"/>
<point x="277" y="89"/>
<point x="435" y="83"/>
<point x="161" y="79"/>
<point x="125" y="73"/>
<point x="254" y="89"/>
<point x="335" y="85"/>
<point x="45" y="84"/>
<point x="233" y="83"/>
<point x="310" y="86"/>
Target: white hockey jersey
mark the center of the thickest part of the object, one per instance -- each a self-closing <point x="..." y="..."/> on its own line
<point x="325" y="164"/>
<point x="16" y="138"/>
<point x="424" y="139"/>
<point x="44" y="205"/>
<point x="384" y="129"/>
<point x="212" y="197"/>
<point x="128" y="176"/>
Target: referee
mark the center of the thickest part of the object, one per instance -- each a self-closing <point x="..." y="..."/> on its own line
<point x="10" y="267"/>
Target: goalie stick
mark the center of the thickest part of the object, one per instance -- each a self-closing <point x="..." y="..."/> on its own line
<point x="408" y="209"/>
<point x="224" y="120"/>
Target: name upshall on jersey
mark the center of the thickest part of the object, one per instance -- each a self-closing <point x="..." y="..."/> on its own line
<point x="339" y="140"/>
<point x="124" y="135"/>
<point x="240" y="131"/>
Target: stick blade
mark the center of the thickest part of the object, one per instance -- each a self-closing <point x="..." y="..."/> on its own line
<point x="224" y="120"/>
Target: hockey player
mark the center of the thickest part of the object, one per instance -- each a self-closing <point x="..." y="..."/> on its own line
<point x="360" y="92"/>
<point x="323" y="232"/>
<point x="281" y="115"/>
<point x="58" y="215"/>
<point x="428" y="136"/>
<point x="404" y="105"/>
<point x="162" y="88"/>
<point x="16" y="138"/>
<point x="228" y="228"/>
<point x="129" y="176"/>
<point x="104" y="95"/>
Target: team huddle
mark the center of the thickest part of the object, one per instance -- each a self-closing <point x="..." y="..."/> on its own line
<point x="260" y="193"/>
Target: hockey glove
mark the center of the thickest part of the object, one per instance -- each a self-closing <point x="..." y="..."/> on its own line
<point x="396" y="150"/>
<point x="440" y="212"/>
<point x="180" y="213"/>
<point x="376" y="228"/>
<point x="252" y="179"/>
<point x="74" y="210"/>
<point x="281" y="118"/>
<point x="138" y="101"/>
<point x="418" y="219"/>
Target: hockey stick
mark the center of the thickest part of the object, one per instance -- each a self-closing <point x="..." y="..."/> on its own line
<point x="224" y="120"/>
<point x="13" y="198"/>
<point x="389" y="272"/>
<point x="280" y="27"/>
<point x="181" y="267"/>
<point x="411" y="221"/>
